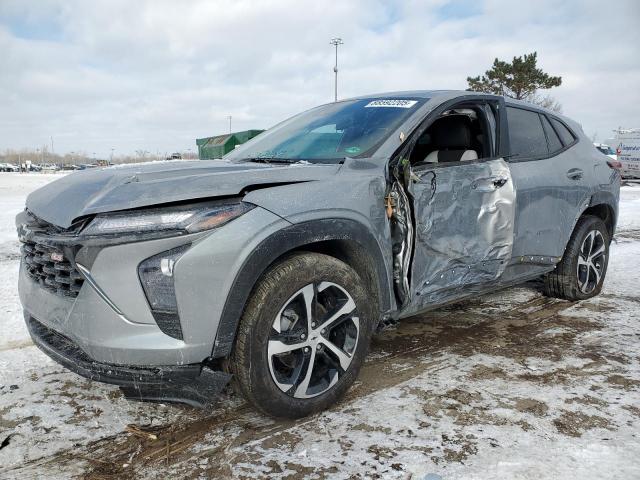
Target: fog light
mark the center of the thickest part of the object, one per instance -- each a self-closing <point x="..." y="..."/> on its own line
<point x="156" y="277"/>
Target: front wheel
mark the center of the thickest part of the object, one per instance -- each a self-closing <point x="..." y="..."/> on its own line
<point x="303" y="336"/>
<point x="581" y="272"/>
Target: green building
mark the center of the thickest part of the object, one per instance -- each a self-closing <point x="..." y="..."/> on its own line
<point x="216" y="147"/>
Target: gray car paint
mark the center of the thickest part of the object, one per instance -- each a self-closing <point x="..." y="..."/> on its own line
<point x="549" y="200"/>
<point x="133" y="186"/>
<point x="464" y="228"/>
<point x="132" y="337"/>
<point x="287" y="195"/>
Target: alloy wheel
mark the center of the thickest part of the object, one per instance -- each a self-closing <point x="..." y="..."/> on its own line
<point x="591" y="261"/>
<point x="313" y="339"/>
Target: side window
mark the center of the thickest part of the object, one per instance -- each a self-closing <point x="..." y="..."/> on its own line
<point x="465" y="132"/>
<point x="526" y="135"/>
<point x="566" y="136"/>
<point x="554" y="142"/>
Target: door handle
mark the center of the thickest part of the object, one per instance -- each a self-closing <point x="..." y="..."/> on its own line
<point x="489" y="184"/>
<point x="499" y="181"/>
<point x="575" y="173"/>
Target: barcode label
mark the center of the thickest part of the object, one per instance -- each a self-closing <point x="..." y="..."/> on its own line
<point x="391" y="103"/>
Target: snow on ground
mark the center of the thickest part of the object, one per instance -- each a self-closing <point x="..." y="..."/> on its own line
<point x="14" y="187"/>
<point x="511" y="385"/>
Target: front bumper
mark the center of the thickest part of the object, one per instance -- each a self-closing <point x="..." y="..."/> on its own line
<point x="110" y="319"/>
<point x="193" y="384"/>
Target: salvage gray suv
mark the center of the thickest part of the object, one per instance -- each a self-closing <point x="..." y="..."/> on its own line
<point x="275" y="265"/>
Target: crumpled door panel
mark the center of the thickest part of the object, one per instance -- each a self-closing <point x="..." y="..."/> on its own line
<point x="464" y="220"/>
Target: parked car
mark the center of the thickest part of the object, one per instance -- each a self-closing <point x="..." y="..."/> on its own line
<point x="8" y="167"/>
<point x="277" y="264"/>
<point x="49" y="166"/>
<point x="606" y="150"/>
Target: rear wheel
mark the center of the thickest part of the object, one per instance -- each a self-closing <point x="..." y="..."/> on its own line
<point x="303" y="336"/>
<point x="581" y="272"/>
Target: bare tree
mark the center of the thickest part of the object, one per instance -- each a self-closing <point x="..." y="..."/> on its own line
<point x="546" y="101"/>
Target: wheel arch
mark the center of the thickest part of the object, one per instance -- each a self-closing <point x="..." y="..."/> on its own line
<point x="603" y="206"/>
<point x="344" y="239"/>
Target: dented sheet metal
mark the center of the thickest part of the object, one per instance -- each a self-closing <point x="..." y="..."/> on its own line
<point x="140" y="185"/>
<point x="464" y="223"/>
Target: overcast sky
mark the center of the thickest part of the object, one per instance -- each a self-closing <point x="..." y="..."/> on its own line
<point x="154" y="75"/>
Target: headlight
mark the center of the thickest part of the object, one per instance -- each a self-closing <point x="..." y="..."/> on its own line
<point x="189" y="219"/>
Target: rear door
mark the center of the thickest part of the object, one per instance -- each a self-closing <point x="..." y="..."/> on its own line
<point x="551" y="183"/>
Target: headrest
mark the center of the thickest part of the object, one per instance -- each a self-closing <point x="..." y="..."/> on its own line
<point x="452" y="132"/>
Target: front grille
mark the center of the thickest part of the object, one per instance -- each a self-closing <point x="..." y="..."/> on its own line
<point x="48" y="266"/>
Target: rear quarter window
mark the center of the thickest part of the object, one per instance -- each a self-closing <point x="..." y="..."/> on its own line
<point x="554" y="142"/>
<point x="567" y="137"/>
<point x="526" y="134"/>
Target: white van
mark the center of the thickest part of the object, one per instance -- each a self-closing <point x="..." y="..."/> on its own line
<point x="627" y="143"/>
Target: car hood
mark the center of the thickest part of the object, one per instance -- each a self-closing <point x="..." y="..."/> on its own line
<point x="133" y="186"/>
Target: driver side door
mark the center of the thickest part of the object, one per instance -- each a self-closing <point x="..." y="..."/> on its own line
<point x="464" y="223"/>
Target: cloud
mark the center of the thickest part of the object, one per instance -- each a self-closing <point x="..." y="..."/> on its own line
<point x="154" y="75"/>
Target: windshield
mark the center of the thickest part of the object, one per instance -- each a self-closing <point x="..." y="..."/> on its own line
<point x="328" y="134"/>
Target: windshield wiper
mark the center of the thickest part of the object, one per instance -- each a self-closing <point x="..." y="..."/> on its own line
<point x="271" y="160"/>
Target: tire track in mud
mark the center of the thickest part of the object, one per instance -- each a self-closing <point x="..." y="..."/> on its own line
<point x="417" y="345"/>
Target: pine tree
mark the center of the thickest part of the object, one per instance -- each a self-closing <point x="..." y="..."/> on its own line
<point x="520" y="79"/>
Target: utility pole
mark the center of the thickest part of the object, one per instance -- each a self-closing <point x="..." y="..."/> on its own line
<point x="336" y="41"/>
<point x="229" y="118"/>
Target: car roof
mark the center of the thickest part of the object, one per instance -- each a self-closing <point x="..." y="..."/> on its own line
<point x="414" y="94"/>
<point x="451" y="94"/>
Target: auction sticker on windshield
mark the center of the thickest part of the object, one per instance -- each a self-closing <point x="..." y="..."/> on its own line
<point x="391" y="103"/>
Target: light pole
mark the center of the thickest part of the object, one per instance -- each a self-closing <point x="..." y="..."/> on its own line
<point x="336" y="41"/>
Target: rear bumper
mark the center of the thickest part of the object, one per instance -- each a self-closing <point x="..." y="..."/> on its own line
<point x="193" y="384"/>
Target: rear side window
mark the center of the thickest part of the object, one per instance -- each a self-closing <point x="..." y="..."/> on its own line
<point x="554" y="142"/>
<point x="526" y="135"/>
<point x="566" y="136"/>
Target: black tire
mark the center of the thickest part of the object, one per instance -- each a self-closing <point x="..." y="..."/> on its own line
<point x="250" y="360"/>
<point x="567" y="281"/>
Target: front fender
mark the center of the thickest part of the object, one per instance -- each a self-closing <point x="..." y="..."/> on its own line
<point x="283" y="241"/>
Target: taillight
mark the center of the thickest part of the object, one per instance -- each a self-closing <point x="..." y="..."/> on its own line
<point x="616" y="165"/>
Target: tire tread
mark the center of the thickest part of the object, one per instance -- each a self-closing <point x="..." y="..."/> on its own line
<point x="562" y="281"/>
<point x="242" y="357"/>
